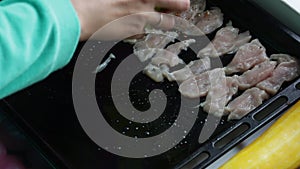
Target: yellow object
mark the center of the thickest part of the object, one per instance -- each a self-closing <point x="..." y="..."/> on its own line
<point x="277" y="148"/>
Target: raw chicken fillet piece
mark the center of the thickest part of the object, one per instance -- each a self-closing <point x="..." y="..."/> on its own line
<point x="246" y="57"/>
<point x="195" y="67"/>
<point x="216" y="98"/>
<point x="209" y="20"/>
<point x="246" y="102"/>
<point x="227" y="40"/>
<point x="196" y="86"/>
<point x="259" y="73"/>
<point x="287" y="70"/>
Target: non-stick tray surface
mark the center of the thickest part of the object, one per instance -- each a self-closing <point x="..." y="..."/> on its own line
<point x="45" y="110"/>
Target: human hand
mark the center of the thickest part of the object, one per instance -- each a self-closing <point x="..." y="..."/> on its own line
<point x="95" y="14"/>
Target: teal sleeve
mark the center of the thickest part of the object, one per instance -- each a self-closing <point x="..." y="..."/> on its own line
<point x="37" y="37"/>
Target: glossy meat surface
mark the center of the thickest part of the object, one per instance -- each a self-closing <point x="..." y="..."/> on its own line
<point x="246" y="57"/>
<point x="159" y="66"/>
<point x="246" y="102"/>
<point x="156" y="39"/>
<point x="209" y="20"/>
<point x="287" y="70"/>
<point x="216" y="98"/>
<point x="195" y="67"/>
<point x="227" y="40"/>
<point x="259" y="73"/>
<point x="196" y="86"/>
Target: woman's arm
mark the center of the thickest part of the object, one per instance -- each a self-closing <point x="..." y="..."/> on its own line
<point x="37" y="37"/>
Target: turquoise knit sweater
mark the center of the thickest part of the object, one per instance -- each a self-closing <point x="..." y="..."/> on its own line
<point x="37" y="37"/>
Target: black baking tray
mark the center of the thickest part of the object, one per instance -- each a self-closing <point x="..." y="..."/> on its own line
<point x="46" y="114"/>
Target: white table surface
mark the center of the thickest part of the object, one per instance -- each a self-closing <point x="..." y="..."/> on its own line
<point x="295" y="4"/>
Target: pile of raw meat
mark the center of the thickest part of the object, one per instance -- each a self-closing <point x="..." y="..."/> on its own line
<point x="251" y="73"/>
<point x="8" y="161"/>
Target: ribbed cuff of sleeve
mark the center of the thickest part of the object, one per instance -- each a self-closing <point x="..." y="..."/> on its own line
<point x="69" y="26"/>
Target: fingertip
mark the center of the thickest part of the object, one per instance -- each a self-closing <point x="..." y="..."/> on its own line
<point x="183" y="5"/>
<point x="174" y="5"/>
<point x="188" y="4"/>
